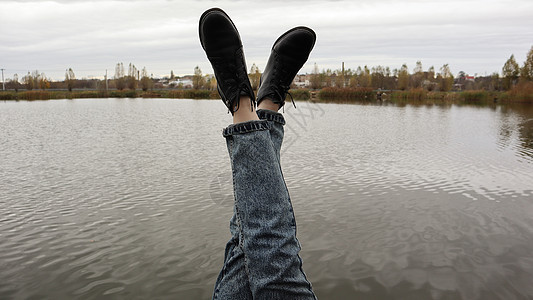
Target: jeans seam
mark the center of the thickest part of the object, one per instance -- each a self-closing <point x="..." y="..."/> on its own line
<point x="293" y="221"/>
<point x="237" y="214"/>
<point x="241" y="239"/>
<point x="224" y="267"/>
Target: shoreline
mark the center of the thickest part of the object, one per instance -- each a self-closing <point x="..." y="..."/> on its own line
<point x="348" y="95"/>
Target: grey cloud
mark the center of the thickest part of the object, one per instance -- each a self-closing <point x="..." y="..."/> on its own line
<point x="91" y="36"/>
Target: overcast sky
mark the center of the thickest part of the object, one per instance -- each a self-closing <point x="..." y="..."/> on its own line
<point x="474" y="36"/>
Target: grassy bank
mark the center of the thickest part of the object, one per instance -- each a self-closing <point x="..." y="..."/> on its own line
<point x="473" y="97"/>
<point x="356" y="94"/>
<point x="47" y="95"/>
<point x="520" y="93"/>
<point x="300" y="94"/>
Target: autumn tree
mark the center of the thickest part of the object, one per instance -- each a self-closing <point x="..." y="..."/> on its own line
<point x="431" y="73"/>
<point x="377" y="77"/>
<point x="326" y="77"/>
<point x="363" y="77"/>
<point x="146" y="82"/>
<point x="255" y="77"/>
<point x="526" y="73"/>
<point x="403" y="78"/>
<point x="120" y="81"/>
<point x="495" y="83"/>
<point x="70" y="79"/>
<point x="351" y="77"/>
<point x="36" y="80"/>
<point x="198" y="79"/>
<point x="27" y="81"/>
<point x="430" y="77"/>
<point x="14" y="83"/>
<point x="418" y="75"/>
<point x="510" y="72"/>
<point x="211" y="83"/>
<point x="339" y="78"/>
<point x="390" y="81"/>
<point x="316" y="81"/>
<point x="131" y="79"/>
<point x="353" y="80"/>
<point x="445" y="78"/>
<point x="44" y="83"/>
<point x="32" y="80"/>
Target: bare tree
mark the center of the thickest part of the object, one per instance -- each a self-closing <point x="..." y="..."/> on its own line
<point x="197" y="80"/>
<point x="255" y="76"/>
<point x="131" y="79"/>
<point x="316" y="81"/>
<point x="146" y="82"/>
<point x="120" y="82"/>
<point x="14" y="83"/>
<point x="418" y="75"/>
<point x="70" y="78"/>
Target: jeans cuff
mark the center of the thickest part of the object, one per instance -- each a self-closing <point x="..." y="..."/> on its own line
<point x="266" y="114"/>
<point x="245" y="127"/>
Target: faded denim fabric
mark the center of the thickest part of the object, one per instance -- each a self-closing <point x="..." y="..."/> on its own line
<point x="261" y="259"/>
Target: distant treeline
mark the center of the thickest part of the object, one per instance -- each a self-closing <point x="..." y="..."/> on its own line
<point x="443" y="80"/>
<point x="514" y="84"/>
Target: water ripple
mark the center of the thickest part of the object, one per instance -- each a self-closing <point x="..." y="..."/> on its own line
<point x="109" y="198"/>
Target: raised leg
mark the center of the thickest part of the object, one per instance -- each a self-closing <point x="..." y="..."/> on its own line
<point x="264" y="215"/>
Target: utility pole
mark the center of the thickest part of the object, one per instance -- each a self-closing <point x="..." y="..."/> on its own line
<point x="3" y="83"/>
<point x="106" y="87"/>
<point x="343" y="79"/>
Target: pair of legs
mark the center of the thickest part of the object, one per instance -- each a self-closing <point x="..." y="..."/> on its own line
<point x="261" y="259"/>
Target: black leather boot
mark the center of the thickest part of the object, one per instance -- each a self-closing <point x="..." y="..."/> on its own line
<point x="289" y="53"/>
<point x="222" y="44"/>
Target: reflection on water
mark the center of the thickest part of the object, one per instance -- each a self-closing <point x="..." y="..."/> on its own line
<point x="128" y="198"/>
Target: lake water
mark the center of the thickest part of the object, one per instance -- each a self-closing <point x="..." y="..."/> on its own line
<point x="131" y="199"/>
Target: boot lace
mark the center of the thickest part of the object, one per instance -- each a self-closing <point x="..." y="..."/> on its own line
<point x="232" y="79"/>
<point x="280" y="89"/>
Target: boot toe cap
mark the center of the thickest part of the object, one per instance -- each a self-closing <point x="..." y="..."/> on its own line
<point x="296" y="43"/>
<point x="217" y="32"/>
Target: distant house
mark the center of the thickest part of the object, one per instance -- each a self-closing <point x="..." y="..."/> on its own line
<point x="301" y="84"/>
<point x="182" y="83"/>
<point x="301" y="81"/>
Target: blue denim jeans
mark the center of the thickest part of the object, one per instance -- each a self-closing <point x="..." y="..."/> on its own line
<point x="261" y="259"/>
